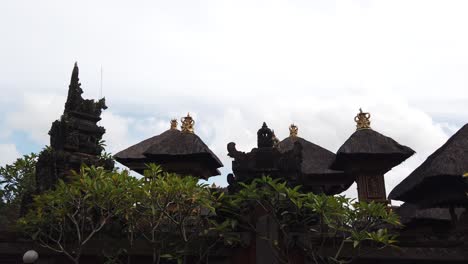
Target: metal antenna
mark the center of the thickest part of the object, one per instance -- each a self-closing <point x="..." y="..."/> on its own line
<point x="100" y="92"/>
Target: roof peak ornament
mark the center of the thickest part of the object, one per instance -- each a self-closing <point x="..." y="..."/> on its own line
<point x="174" y="124"/>
<point x="265" y="137"/>
<point x="187" y="124"/>
<point x="362" y="120"/>
<point x="293" y="129"/>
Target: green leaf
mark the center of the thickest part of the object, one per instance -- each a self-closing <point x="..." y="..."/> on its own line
<point x="355" y="244"/>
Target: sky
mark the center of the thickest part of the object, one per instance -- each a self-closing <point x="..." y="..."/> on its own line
<point x="234" y="65"/>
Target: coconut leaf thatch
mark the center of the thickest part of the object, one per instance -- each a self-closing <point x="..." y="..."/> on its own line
<point x="169" y="147"/>
<point x="410" y="212"/>
<point x="315" y="165"/>
<point x="315" y="159"/>
<point x="438" y="181"/>
<point x="370" y="146"/>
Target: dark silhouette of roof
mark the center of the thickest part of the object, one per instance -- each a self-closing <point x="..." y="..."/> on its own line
<point x="410" y="212"/>
<point x="174" y="142"/>
<point x="439" y="178"/>
<point x="370" y="144"/>
<point x="315" y="159"/>
<point x="315" y="165"/>
<point x="171" y="145"/>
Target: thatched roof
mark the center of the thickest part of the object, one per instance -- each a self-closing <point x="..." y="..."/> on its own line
<point x="368" y="144"/>
<point x="171" y="144"/>
<point x="440" y="175"/>
<point x="315" y="159"/>
<point x="315" y="165"/>
<point x="409" y="212"/>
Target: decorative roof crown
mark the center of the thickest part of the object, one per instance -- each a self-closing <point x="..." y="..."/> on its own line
<point x="187" y="124"/>
<point x="293" y="129"/>
<point x="174" y="124"/>
<point x="362" y="120"/>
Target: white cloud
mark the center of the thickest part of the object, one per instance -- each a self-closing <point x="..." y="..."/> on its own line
<point x="34" y="115"/>
<point x="235" y="64"/>
<point x="327" y="122"/>
<point x="117" y="131"/>
<point x="8" y="153"/>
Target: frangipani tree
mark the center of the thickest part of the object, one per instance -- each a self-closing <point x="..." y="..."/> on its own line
<point x="178" y="216"/>
<point x="170" y="212"/>
<point x="65" y="219"/>
<point x="173" y="212"/>
<point x="326" y="224"/>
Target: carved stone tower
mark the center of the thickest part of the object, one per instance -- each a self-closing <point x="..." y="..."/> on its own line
<point x="75" y="139"/>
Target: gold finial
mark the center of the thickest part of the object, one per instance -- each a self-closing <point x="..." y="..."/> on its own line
<point x="362" y="120"/>
<point x="174" y="124"/>
<point x="187" y="124"/>
<point x="293" y="129"/>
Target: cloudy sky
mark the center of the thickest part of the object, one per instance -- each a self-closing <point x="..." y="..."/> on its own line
<point x="233" y="65"/>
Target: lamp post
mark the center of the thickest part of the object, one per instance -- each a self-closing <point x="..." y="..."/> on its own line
<point x="30" y="256"/>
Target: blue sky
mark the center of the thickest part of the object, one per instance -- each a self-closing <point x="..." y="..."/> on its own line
<point x="235" y="64"/>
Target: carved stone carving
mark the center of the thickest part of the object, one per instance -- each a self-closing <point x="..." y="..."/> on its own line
<point x="265" y="137"/>
<point x="74" y="139"/>
<point x="264" y="160"/>
<point x="233" y="152"/>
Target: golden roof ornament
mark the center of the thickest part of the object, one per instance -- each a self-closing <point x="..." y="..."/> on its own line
<point x="174" y="124"/>
<point x="293" y="129"/>
<point x="362" y="120"/>
<point x="187" y="124"/>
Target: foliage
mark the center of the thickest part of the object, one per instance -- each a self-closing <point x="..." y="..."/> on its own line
<point x="170" y="212"/>
<point x="17" y="181"/>
<point x="325" y="221"/>
<point x="68" y="217"/>
<point x="18" y="178"/>
<point x="178" y="216"/>
<point x="173" y="213"/>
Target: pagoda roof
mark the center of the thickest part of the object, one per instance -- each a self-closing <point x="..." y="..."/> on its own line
<point x="315" y="159"/>
<point x="171" y="144"/>
<point x="439" y="177"/>
<point x="174" y="143"/>
<point x="315" y="164"/>
<point x="410" y="212"/>
<point x="370" y="144"/>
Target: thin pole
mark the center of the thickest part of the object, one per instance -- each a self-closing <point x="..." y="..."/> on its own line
<point x="100" y="91"/>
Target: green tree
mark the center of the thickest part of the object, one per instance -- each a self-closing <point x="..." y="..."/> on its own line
<point x="320" y="225"/>
<point x="177" y="216"/>
<point x="67" y="218"/>
<point x="173" y="212"/>
<point x="17" y="180"/>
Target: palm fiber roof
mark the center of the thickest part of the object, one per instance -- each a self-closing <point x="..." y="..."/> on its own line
<point x="316" y="160"/>
<point x="409" y="212"/>
<point x="315" y="165"/>
<point x="171" y="144"/>
<point x="370" y="144"/>
<point x="439" y="178"/>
